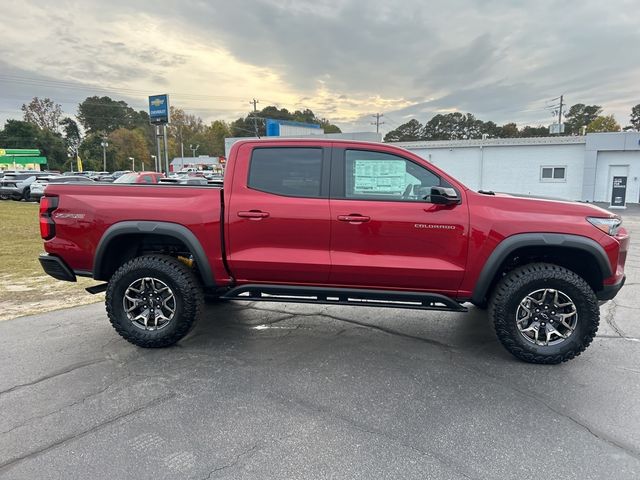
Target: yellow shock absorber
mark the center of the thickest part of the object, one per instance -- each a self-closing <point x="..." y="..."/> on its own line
<point x="187" y="261"/>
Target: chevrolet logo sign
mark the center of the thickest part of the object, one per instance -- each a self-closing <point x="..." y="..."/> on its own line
<point x="156" y="102"/>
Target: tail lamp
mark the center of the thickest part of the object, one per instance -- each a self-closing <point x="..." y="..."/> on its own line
<point x="47" y="225"/>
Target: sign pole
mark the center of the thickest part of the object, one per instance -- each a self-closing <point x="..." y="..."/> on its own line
<point x="166" y="151"/>
<point x="158" y="157"/>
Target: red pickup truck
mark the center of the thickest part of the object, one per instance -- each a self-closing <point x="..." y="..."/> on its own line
<point x="340" y="223"/>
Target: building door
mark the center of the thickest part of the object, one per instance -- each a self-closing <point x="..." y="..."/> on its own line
<point x="618" y="176"/>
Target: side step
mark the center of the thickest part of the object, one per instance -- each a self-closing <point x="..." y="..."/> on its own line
<point x="343" y="296"/>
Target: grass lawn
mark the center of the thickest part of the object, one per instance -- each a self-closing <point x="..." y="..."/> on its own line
<point x="24" y="287"/>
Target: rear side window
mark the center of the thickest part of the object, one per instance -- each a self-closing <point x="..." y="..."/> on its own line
<point x="294" y="172"/>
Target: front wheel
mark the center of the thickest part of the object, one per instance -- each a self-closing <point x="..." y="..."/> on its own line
<point x="153" y="300"/>
<point x="544" y="313"/>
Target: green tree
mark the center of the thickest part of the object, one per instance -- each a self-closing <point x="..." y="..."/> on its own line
<point x="103" y="114"/>
<point x="539" y="131"/>
<point x="71" y="132"/>
<point x="43" y="113"/>
<point x="245" y="127"/>
<point x="580" y="115"/>
<point x="603" y="123"/>
<point x="635" y="118"/>
<point x="127" y="143"/>
<point x="407" y="132"/>
<point x="20" y="134"/>
<point x="509" y="130"/>
<point x="452" y="126"/>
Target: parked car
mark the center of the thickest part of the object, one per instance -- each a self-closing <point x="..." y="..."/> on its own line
<point x="139" y="177"/>
<point x="113" y="177"/>
<point x="339" y="223"/>
<point x="17" y="186"/>
<point x="38" y="187"/>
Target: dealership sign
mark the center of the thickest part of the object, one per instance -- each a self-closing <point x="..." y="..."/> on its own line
<point x="159" y="109"/>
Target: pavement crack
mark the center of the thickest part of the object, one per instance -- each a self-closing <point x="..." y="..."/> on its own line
<point x="337" y="417"/>
<point x="628" y="449"/>
<point x="239" y="457"/>
<point x="386" y="330"/>
<point x="609" y="318"/>
<point x="56" y="373"/>
<point x="77" y="402"/>
<point x="69" y="438"/>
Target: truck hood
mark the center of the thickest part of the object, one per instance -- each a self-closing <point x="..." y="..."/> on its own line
<point x="562" y="206"/>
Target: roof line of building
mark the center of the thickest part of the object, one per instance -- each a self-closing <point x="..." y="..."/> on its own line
<point x="493" y="141"/>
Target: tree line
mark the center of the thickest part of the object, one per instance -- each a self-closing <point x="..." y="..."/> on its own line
<point x="461" y="126"/>
<point x="128" y="132"/>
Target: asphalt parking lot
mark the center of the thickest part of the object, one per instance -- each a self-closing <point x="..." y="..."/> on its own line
<point x="292" y="391"/>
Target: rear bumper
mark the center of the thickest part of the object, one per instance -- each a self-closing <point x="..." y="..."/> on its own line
<point x="608" y="292"/>
<point x="56" y="267"/>
<point x="12" y="192"/>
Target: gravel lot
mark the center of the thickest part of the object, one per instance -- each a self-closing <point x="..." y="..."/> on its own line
<point x="289" y="391"/>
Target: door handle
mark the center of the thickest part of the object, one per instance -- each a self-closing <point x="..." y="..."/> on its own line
<point x="354" y="218"/>
<point x="253" y="214"/>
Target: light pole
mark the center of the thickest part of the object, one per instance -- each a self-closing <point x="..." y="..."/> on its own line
<point x="104" y="145"/>
<point x="133" y="164"/>
<point x="194" y="149"/>
<point x="155" y="160"/>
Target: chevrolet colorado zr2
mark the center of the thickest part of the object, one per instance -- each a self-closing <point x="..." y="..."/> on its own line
<point x="344" y="223"/>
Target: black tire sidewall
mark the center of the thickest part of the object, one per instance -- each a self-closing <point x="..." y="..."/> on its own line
<point x="169" y="271"/>
<point x="504" y="313"/>
<point x="575" y="339"/>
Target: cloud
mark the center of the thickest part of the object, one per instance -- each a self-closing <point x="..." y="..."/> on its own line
<point x="345" y="59"/>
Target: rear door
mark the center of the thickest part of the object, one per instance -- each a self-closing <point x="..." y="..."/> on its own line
<point x="385" y="233"/>
<point x="278" y="214"/>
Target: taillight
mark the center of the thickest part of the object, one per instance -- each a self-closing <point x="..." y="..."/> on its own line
<point x="47" y="225"/>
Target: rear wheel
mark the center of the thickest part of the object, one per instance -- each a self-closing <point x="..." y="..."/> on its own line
<point x="544" y="313"/>
<point x="153" y="300"/>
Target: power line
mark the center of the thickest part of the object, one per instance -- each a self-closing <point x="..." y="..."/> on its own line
<point x="255" y="117"/>
<point x="377" y="123"/>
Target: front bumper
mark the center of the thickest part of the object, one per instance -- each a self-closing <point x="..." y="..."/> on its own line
<point x="608" y="292"/>
<point x="56" y="267"/>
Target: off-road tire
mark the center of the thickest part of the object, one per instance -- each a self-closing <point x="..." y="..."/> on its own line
<point x="518" y="283"/>
<point x="182" y="281"/>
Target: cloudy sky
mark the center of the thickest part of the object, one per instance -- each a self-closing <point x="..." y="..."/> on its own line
<point x="345" y="59"/>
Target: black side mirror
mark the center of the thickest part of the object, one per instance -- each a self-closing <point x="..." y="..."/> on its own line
<point x="444" y="196"/>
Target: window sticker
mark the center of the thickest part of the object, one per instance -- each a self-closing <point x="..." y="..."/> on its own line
<point x="384" y="177"/>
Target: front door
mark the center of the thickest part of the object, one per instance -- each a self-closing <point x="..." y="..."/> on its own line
<point x="385" y="233"/>
<point x="278" y="215"/>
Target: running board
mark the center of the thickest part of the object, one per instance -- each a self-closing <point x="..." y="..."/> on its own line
<point x="343" y="296"/>
<point x="97" y="288"/>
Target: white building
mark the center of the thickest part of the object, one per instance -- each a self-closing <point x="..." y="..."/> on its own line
<point x="574" y="168"/>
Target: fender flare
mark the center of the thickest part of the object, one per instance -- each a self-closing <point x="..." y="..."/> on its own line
<point x="179" y="232"/>
<point x="510" y="244"/>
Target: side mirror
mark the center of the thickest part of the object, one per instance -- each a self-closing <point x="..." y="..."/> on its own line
<point x="444" y="196"/>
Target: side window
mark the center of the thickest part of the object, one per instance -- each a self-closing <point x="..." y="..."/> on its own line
<point x="147" y="179"/>
<point x="294" y="172"/>
<point x="381" y="176"/>
<point x="553" y="174"/>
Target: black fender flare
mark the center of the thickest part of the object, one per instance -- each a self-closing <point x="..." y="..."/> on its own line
<point x="179" y="232"/>
<point x="514" y="242"/>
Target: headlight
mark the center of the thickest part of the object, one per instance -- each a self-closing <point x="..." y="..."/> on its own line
<point x="607" y="225"/>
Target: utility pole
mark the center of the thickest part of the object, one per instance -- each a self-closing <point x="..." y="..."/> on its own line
<point x="377" y="123"/>
<point x="255" y="117"/>
<point x="560" y="112"/>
